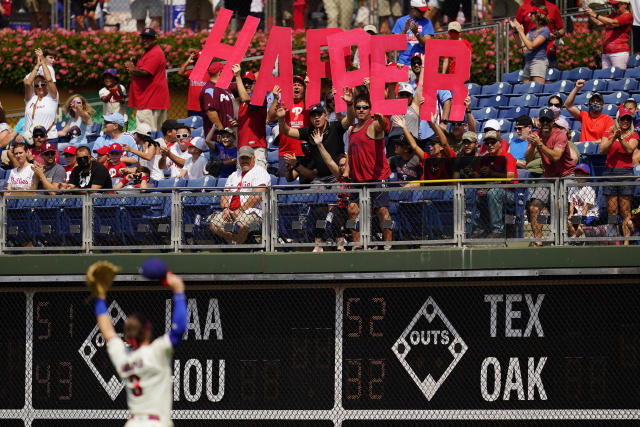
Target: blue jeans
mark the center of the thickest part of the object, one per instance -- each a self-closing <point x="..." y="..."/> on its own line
<point x="497" y="198"/>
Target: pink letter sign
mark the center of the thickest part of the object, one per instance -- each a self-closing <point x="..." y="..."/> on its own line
<point x="316" y="69"/>
<point x="214" y="48"/>
<point x="339" y="74"/>
<point x="381" y="73"/>
<point x="454" y="82"/>
<point x="278" y="47"/>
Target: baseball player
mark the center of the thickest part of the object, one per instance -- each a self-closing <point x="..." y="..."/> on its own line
<point x="144" y="365"/>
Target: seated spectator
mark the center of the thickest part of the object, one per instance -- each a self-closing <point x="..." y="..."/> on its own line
<point x="534" y="45"/>
<point x="494" y="125"/>
<point x="102" y="155"/>
<point x="563" y="124"/>
<point x="35" y="152"/>
<point x="80" y="113"/>
<point x="113" y="127"/>
<point x="632" y="105"/>
<point x="465" y="164"/>
<point x="136" y="179"/>
<point x="147" y="150"/>
<point x="113" y="95"/>
<point x="594" y="123"/>
<point x="41" y="101"/>
<point x="551" y="143"/>
<point x="89" y="174"/>
<point x="226" y="150"/>
<point x="195" y="166"/>
<point x="519" y="144"/>
<point x="51" y="175"/>
<point x="175" y="155"/>
<point x="69" y="155"/>
<point x="114" y="165"/>
<point x="619" y="143"/>
<point x="582" y="203"/>
<point x="241" y="211"/>
<point x="20" y="177"/>
<point x="616" y="39"/>
<point x="555" y="103"/>
<point x="169" y="130"/>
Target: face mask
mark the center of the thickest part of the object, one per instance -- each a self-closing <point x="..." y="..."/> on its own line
<point x="83" y="162"/>
<point x="595" y="108"/>
<point x="555" y="110"/>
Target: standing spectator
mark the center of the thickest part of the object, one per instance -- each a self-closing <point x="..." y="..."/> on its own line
<point x="617" y="29"/>
<point x="113" y="132"/>
<point x="80" y="113"/>
<point x="534" y="45"/>
<point x="69" y="155"/>
<point x="389" y="9"/>
<point x="5" y="13"/>
<point x="453" y="30"/>
<point x="251" y="118"/>
<point x="556" y="25"/>
<point x="226" y="150"/>
<point x="84" y="9"/>
<point x="296" y="118"/>
<point x="40" y="13"/>
<point x="41" y="100"/>
<point x="367" y="160"/>
<point x="113" y="95"/>
<point x="519" y="144"/>
<point x="257" y="9"/>
<point x="551" y="143"/>
<point x="147" y="150"/>
<point x="216" y="104"/>
<point x="89" y="174"/>
<point x="50" y="175"/>
<point x="635" y="9"/>
<point x="243" y="211"/>
<point x="21" y="176"/>
<point x="339" y="13"/>
<point x="594" y="123"/>
<point x="198" y="13"/>
<point x="417" y="27"/>
<point x="173" y="156"/>
<point x="194" y="166"/>
<point x="618" y="143"/>
<point x="195" y="87"/>
<point x="139" y="9"/>
<point x="149" y="91"/>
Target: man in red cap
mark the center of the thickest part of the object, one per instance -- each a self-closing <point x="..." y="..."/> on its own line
<point x="149" y="91"/>
<point x="69" y="155"/>
<point x="555" y="25"/>
<point x="102" y="154"/>
<point x="49" y="175"/>
<point x="114" y="164"/>
<point x="216" y="104"/>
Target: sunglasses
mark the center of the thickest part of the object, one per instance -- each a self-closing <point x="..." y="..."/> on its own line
<point x="77" y="102"/>
<point x="39" y="85"/>
<point x="49" y="153"/>
<point x="362" y="107"/>
<point x="108" y="123"/>
<point x="247" y="82"/>
<point x="457" y="123"/>
<point x="467" y="142"/>
<point x="545" y="120"/>
<point x="68" y="154"/>
<point x="39" y="136"/>
<point x="491" y="142"/>
<point x="519" y="128"/>
<point x="182" y="135"/>
<point x="554" y="105"/>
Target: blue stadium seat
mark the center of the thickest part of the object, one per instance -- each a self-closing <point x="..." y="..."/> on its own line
<point x="199" y="131"/>
<point x="616" y="98"/>
<point x="609" y="73"/>
<point x="577" y="73"/>
<point x="560" y="86"/>
<point x="588" y="148"/>
<point x="632" y="73"/>
<point x="534" y="112"/>
<point x="542" y="101"/>
<point x="19" y="221"/>
<point x="582" y="98"/>
<point x="513" y="77"/>
<point x="169" y="183"/>
<point x="71" y="221"/>
<point x="474" y="88"/>
<point x="428" y="216"/>
<point x="193" y="121"/>
<point x="107" y="221"/>
<point x="625" y="85"/>
<point x="633" y="62"/>
<point x="493" y="101"/>
<point x="531" y="87"/>
<point x="610" y="110"/>
<point x="221" y="182"/>
<point x="594" y="85"/>
<point x="528" y="100"/>
<point x="553" y="74"/>
<point x="498" y="88"/>
<point x="485" y="113"/>
<point x="513" y="112"/>
<point x="197" y="183"/>
<point x="576" y="126"/>
<point x="96" y="127"/>
<point x="274" y="179"/>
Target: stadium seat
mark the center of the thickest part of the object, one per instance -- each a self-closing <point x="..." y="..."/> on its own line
<point x="485" y="113"/>
<point x="553" y="74"/>
<point x="197" y="132"/>
<point x="588" y="148"/>
<point x="274" y="179"/>
<point x="625" y="85"/>
<point x="169" y="183"/>
<point x="498" y="88"/>
<point x="493" y="101"/>
<point x="513" y="112"/>
<point x="474" y="89"/>
<point x="633" y="62"/>
<point x="527" y="100"/>
<point x="198" y="183"/>
<point x="96" y="127"/>
<point x="192" y="121"/>
<point x="107" y="221"/>
<point x="531" y="87"/>
<point x="474" y="101"/>
<point x="615" y="98"/>
<point x="513" y="77"/>
<point x="19" y="222"/>
<point x="221" y="182"/>
<point x="632" y="73"/>
<point x="594" y="85"/>
<point x="560" y="86"/>
<point x="577" y="73"/>
<point x="534" y="112"/>
<point x="582" y="98"/>
<point x="577" y="126"/>
<point x="610" y="110"/>
<point x="609" y="73"/>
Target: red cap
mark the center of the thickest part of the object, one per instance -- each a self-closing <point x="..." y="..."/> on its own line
<point x="103" y="151"/>
<point x="538" y="10"/>
<point x="70" y="149"/>
<point x="299" y="78"/>
<point x="115" y="147"/>
<point x="624" y="111"/>
<point x="215" y="68"/>
<point x="48" y="147"/>
<point x="249" y="75"/>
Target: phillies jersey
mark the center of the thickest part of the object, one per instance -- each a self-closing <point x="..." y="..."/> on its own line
<point x="296" y="118"/>
<point x="147" y="375"/>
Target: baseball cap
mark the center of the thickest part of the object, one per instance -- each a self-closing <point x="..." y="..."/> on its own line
<point x="584" y="168"/>
<point x="299" y="78"/>
<point x="454" y="26"/>
<point x="371" y="28"/>
<point x="624" y="111"/>
<point x="470" y="136"/>
<point x="227" y="130"/>
<point x="115" y="118"/>
<point x="416" y="56"/>
<point x="215" y="68"/>
<point x="245" y="151"/>
<point x="70" y="149"/>
<point x="547" y="113"/>
<point x="538" y="10"/>
<point x="198" y="142"/>
<point x="111" y="72"/>
<point x="404" y="87"/>
<point x="40" y="130"/>
<point x="249" y="75"/>
<point x="631" y="100"/>
<point x="148" y="32"/>
<point x="115" y="147"/>
<point x="618" y="1"/>
<point x="103" y="151"/>
<point x="492" y="124"/>
<point x="492" y="134"/>
<point x="48" y="147"/>
<point x="596" y="95"/>
<point x="524" y="120"/>
<point x="316" y="109"/>
<point x="562" y="122"/>
<point x="143" y="129"/>
<point x="421" y="5"/>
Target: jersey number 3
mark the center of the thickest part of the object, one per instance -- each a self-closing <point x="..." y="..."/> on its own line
<point x="136" y="390"/>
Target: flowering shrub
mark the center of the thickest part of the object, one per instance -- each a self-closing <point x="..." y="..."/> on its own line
<point x="83" y="56"/>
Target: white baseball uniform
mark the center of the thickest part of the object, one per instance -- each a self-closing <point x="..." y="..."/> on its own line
<point x="147" y="375"/>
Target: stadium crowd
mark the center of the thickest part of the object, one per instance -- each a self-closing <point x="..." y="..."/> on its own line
<point x="227" y="137"/>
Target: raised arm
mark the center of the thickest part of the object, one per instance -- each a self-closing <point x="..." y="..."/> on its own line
<point x="285" y="129"/>
<point x="179" y="317"/>
<point x="242" y="92"/>
<point x="51" y="85"/>
<point x="271" y="114"/>
<point x="347" y="96"/>
<point x="568" y="103"/>
<point x="316" y="136"/>
<point x="471" y="121"/>
<point x="401" y="123"/>
<point x="182" y="72"/>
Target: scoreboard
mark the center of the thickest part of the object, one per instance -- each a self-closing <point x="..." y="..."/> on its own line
<point x="324" y="355"/>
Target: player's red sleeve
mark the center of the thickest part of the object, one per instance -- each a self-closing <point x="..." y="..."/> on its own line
<point x="626" y="19"/>
<point x="557" y="19"/>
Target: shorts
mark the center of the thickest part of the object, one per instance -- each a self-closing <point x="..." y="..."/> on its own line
<point x="379" y="199"/>
<point x="535" y="68"/>
<point x="139" y="9"/>
<point x="198" y="10"/>
<point x="619" y="190"/>
<point x="245" y="219"/>
<point x="78" y="9"/>
<point x="389" y="7"/>
<point x="39" y="6"/>
<point x="153" y="118"/>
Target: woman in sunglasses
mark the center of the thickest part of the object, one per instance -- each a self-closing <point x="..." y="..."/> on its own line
<point x="617" y="29"/>
<point x="80" y="113"/>
<point x="41" y="99"/>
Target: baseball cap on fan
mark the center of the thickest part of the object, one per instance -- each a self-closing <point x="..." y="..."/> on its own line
<point x="404" y="87"/>
<point x="199" y="143"/>
<point x="48" y="147"/>
<point x="421" y="5"/>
